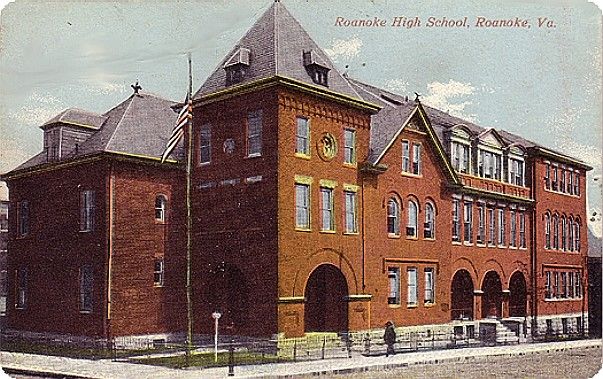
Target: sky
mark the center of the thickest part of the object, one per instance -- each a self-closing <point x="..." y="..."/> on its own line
<point x="543" y="83"/>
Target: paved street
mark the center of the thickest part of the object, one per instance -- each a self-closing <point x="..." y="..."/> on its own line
<point x="432" y="364"/>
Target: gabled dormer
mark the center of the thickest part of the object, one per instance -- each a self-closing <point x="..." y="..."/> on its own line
<point x="458" y="145"/>
<point x="515" y="172"/>
<point x="490" y="155"/>
<point x="237" y="65"/>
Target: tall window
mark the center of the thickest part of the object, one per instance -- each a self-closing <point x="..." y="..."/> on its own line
<point x="412" y="286"/>
<point x="570" y="182"/>
<point x="429" y="227"/>
<point x="350" y="212"/>
<point x="549" y="288"/>
<point x="577" y="235"/>
<point x="23" y="218"/>
<point x="562" y="179"/>
<point x="205" y="144"/>
<point x="302" y="206"/>
<point x="577" y="183"/>
<point x="411" y="226"/>
<point x="349" y="146"/>
<point x="158" y="272"/>
<point x="555" y="232"/>
<point x="160" y="208"/>
<point x="501" y="227"/>
<point x="563" y="233"/>
<point x="564" y="284"/>
<point x="460" y="156"/>
<point x="21" y="288"/>
<point x="547" y="231"/>
<point x="468" y="222"/>
<point x="481" y="223"/>
<point x="393" y="217"/>
<point x="254" y="133"/>
<point x="429" y="286"/>
<point x="554" y="185"/>
<point x="416" y="159"/>
<point x="489" y="165"/>
<point x="570" y="285"/>
<point x="327" y="209"/>
<point x="393" y="277"/>
<point x="456" y="222"/>
<point x="86" y="210"/>
<point x="491" y="226"/>
<point x="557" y="290"/>
<point x="578" y="284"/>
<point x="3" y="217"/>
<point x="405" y="156"/>
<point x="516" y="175"/>
<point x="302" y="134"/>
<point x="86" y="283"/>
<point x="570" y="234"/>
<point x="547" y="176"/>
<point x="522" y="230"/>
<point x="513" y="237"/>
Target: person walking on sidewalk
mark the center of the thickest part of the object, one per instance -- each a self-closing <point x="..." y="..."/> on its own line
<point x="390" y="338"/>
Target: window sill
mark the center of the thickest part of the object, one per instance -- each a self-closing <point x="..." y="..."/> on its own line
<point x="201" y="164"/>
<point x="302" y="156"/>
<point x="350" y="165"/>
<point x="159" y="222"/>
<point x="429" y="239"/>
<point x="429" y="305"/>
<point x="85" y="231"/>
<point x="393" y="236"/>
<point x="556" y="300"/>
<point x="302" y="230"/>
<point x="502" y="246"/>
<point x="157" y="285"/>
<point x="411" y="306"/>
<point x="394" y="306"/>
<point x="465" y="243"/>
<point x="328" y="231"/>
<point x="253" y="155"/>
<point x="350" y="233"/>
<point x="457" y="243"/>
<point x="410" y="174"/>
<point x="20" y="308"/>
<point x="480" y="244"/>
<point x="412" y="238"/>
<point x="85" y="312"/>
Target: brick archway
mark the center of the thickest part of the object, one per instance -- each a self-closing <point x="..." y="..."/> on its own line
<point x="461" y="296"/>
<point x="326" y="306"/>
<point x="493" y="295"/>
<point x="517" y="295"/>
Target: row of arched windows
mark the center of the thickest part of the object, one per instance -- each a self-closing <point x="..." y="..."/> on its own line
<point x="561" y="232"/>
<point x="412" y="219"/>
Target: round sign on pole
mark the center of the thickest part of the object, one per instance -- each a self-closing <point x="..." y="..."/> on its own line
<point x="216" y="315"/>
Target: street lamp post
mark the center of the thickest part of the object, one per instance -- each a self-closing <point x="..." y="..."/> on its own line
<point x="216" y="316"/>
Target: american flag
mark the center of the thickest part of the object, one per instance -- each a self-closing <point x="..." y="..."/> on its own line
<point x="186" y="113"/>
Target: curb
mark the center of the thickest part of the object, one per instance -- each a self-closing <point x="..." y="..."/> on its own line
<point x="50" y="374"/>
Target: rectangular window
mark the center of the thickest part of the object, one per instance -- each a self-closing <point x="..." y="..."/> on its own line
<point x="564" y="289"/>
<point x="205" y="144"/>
<point x="327" y="209"/>
<point x="576" y="183"/>
<point x="562" y="179"/>
<point x="86" y="210"/>
<point x="412" y="286"/>
<point x="254" y="134"/>
<point x="468" y="222"/>
<point x="557" y="290"/>
<point x="158" y="273"/>
<point x="547" y="176"/>
<point x="501" y="227"/>
<point x="516" y="172"/>
<point x="349" y="146"/>
<point x="460" y="157"/>
<point x="577" y="284"/>
<point x="23" y="218"/>
<point x="481" y="224"/>
<point x="570" y="182"/>
<point x="21" y="288"/>
<point x="405" y="156"/>
<point x="491" y="226"/>
<point x="549" y="289"/>
<point x="3" y="217"/>
<point x="576" y="236"/>
<point x="302" y="136"/>
<point x="86" y="282"/>
<point x="513" y="236"/>
<point x="350" y="212"/>
<point x="416" y="159"/>
<point x="522" y="230"/>
<point x="393" y="277"/>
<point x="302" y="206"/>
<point x="456" y="222"/>
<point x="429" y="286"/>
<point x="554" y="179"/>
<point x="570" y="285"/>
<point x="489" y="165"/>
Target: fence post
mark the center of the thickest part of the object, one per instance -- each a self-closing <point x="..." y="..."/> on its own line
<point x="294" y="350"/>
<point x="348" y="343"/>
<point x="324" y="342"/>
<point x="231" y="358"/>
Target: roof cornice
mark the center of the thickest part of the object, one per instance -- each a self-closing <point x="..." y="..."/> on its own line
<point x="537" y="150"/>
<point x="287" y="82"/>
<point x="489" y="194"/>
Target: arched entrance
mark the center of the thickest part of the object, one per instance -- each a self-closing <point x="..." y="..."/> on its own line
<point x="462" y="296"/>
<point x="326" y="308"/>
<point x="230" y="296"/>
<point x="492" y="298"/>
<point x="518" y="295"/>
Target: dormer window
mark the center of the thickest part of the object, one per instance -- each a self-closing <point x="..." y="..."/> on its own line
<point x="316" y="68"/>
<point x="236" y="66"/>
<point x="489" y="165"/>
<point x="51" y="145"/>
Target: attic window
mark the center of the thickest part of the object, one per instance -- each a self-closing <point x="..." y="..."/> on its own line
<point x="51" y="145"/>
<point x="236" y="66"/>
<point x="316" y="68"/>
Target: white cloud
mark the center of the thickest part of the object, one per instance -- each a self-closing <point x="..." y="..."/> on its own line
<point x="38" y="109"/>
<point x="11" y="155"/>
<point x="399" y="86"/>
<point x="347" y="49"/>
<point x="449" y="97"/>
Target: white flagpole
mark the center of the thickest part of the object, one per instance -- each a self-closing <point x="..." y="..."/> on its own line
<point x="189" y="219"/>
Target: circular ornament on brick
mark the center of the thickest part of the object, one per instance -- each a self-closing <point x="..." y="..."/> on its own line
<point x="327" y="147"/>
<point x="229" y="146"/>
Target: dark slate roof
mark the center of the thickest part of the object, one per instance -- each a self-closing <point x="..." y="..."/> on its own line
<point x="276" y="43"/>
<point x="440" y="121"/>
<point x="139" y="126"/>
<point x="78" y="117"/>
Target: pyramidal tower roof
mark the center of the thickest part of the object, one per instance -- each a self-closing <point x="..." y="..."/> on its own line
<point x="277" y="45"/>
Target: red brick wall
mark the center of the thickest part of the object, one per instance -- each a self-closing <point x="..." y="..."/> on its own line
<point x="55" y="249"/>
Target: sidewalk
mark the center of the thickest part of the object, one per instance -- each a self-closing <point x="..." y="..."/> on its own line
<point x="104" y="369"/>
